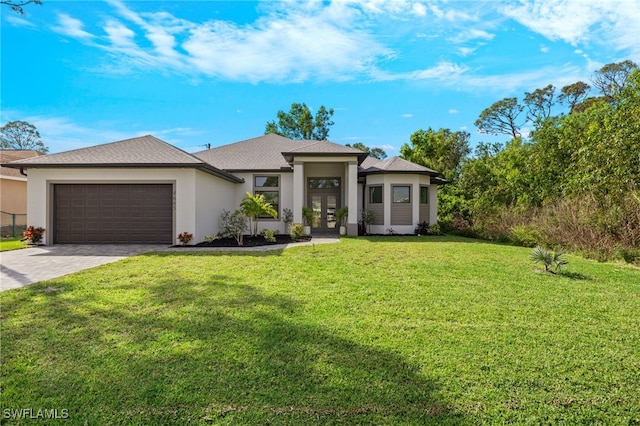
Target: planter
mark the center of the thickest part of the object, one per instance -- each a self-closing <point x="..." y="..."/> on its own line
<point x="343" y="230"/>
<point x="306" y="230"/>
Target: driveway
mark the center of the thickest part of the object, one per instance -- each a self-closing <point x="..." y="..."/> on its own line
<point x="19" y="268"/>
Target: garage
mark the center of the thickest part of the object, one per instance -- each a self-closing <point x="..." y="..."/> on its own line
<point x="113" y="214"/>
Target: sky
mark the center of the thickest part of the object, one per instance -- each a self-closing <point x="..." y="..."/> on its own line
<point x="194" y="73"/>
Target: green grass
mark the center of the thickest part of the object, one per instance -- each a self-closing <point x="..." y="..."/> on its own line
<point x="398" y="330"/>
<point x="7" y="244"/>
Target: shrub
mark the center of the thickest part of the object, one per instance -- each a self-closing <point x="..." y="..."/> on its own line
<point x="424" y="228"/>
<point x="287" y="217"/>
<point x="295" y="231"/>
<point x="33" y="234"/>
<point x="185" y="238"/>
<point x="549" y="259"/>
<point x="269" y="235"/>
<point x="368" y="217"/>
<point x="525" y="236"/>
<point x="212" y="237"/>
<point x="233" y="225"/>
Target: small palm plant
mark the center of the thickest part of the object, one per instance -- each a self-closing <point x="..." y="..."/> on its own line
<point x="255" y="207"/>
<point x="549" y="259"/>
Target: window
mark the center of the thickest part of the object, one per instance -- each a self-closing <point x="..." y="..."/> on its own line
<point x="375" y="195"/>
<point x="401" y="194"/>
<point x="315" y="183"/>
<point x="269" y="186"/>
<point x="424" y="195"/>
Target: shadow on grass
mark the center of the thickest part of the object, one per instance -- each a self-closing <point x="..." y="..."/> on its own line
<point x="215" y="351"/>
<point x="574" y="276"/>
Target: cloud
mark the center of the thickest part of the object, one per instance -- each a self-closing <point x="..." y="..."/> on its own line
<point x="71" y="27"/>
<point x="472" y="34"/>
<point x="453" y="111"/>
<point x="19" y="22"/>
<point x="406" y="115"/>
<point x="577" y="22"/>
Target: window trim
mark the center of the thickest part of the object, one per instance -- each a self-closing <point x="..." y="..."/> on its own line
<point x="261" y="189"/>
<point x="381" y="194"/>
<point x="393" y="198"/>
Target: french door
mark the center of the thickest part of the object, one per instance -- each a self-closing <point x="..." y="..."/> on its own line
<point x="324" y="204"/>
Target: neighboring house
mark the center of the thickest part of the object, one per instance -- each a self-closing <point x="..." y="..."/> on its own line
<point x="143" y="190"/>
<point x="13" y="188"/>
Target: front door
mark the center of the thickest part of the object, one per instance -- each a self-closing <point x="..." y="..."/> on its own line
<point x="324" y="205"/>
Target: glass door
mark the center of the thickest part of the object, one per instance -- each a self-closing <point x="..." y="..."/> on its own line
<point x="324" y="206"/>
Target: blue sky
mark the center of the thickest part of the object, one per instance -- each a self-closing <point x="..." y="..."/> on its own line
<point x="198" y="72"/>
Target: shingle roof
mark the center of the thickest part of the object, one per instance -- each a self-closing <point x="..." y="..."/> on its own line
<point x="8" y="155"/>
<point x="394" y="165"/>
<point x="269" y="152"/>
<point x="144" y="151"/>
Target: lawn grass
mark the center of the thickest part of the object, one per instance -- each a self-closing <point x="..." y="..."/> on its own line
<point x="7" y="244"/>
<point x="390" y="330"/>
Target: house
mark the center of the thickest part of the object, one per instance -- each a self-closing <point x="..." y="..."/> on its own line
<point x="13" y="190"/>
<point x="144" y="190"/>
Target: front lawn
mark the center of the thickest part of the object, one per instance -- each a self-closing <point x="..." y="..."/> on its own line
<point x="390" y="330"/>
<point x="7" y="244"/>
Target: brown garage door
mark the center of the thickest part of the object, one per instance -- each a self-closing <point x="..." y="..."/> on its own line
<point x="113" y="213"/>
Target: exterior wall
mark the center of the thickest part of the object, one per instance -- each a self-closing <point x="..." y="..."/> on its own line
<point x="402" y="218"/>
<point x="40" y="192"/>
<point x="13" y="199"/>
<point x="212" y="196"/>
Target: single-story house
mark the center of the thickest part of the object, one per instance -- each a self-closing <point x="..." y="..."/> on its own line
<point x="144" y="190"/>
<point x="13" y="189"/>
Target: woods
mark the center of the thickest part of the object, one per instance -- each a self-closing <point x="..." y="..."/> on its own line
<point x="574" y="181"/>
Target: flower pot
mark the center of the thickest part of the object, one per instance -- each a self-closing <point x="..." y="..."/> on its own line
<point x="343" y="230"/>
<point x="306" y="230"/>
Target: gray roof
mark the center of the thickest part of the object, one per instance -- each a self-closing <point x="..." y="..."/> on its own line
<point x="8" y="155"/>
<point x="144" y="151"/>
<point x="270" y="152"/>
<point x="394" y="165"/>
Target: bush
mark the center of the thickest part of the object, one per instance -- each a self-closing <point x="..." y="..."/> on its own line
<point x="212" y="237"/>
<point x="424" y="228"/>
<point x="185" y="238"/>
<point x="525" y="236"/>
<point x="269" y="235"/>
<point x="295" y="231"/>
<point x="33" y="234"/>
<point x="549" y="259"/>
<point x="233" y="225"/>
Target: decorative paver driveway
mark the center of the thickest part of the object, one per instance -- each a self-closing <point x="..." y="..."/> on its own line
<point x="27" y="266"/>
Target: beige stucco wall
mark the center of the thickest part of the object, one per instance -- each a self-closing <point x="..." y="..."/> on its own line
<point x="186" y="208"/>
<point x="212" y="196"/>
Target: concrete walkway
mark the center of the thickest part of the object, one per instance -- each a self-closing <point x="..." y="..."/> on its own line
<point x="19" y="268"/>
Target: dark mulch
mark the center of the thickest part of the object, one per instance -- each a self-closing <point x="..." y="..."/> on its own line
<point x="250" y="241"/>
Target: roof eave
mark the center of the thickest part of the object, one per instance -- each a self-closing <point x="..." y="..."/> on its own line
<point x="289" y="155"/>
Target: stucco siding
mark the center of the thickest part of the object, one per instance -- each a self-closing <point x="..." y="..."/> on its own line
<point x="213" y="195"/>
<point x="13" y="200"/>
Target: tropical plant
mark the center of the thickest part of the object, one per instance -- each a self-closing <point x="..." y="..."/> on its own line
<point x="549" y="259"/>
<point x="269" y="235"/>
<point x="341" y="215"/>
<point x="33" y="234"/>
<point x="185" y="238"/>
<point x="308" y="215"/>
<point x="254" y="207"/>
<point x="233" y="225"/>
<point x="287" y="217"/>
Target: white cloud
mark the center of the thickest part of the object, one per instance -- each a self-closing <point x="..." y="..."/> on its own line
<point x="19" y="22"/>
<point x="389" y="147"/>
<point x="465" y="51"/>
<point x="472" y="34"/>
<point x="71" y="27"/>
<point x="544" y="49"/>
<point x="453" y="111"/>
<point x="577" y="21"/>
<point x="406" y="115"/>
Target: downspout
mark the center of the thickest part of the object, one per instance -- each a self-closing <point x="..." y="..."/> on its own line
<point x="22" y="171"/>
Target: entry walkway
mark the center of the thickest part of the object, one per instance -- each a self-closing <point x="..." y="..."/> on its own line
<point x="19" y="268"/>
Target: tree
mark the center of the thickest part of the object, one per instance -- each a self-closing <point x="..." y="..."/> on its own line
<point x="574" y="94"/>
<point x="612" y="78"/>
<point x="501" y="118"/>
<point x="539" y="103"/>
<point x="373" y="152"/>
<point x="17" y="5"/>
<point x="299" y="123"/>
<point x="21" y="135"/>
<point x="441" y="150"/>
<point x="254" y="207"/>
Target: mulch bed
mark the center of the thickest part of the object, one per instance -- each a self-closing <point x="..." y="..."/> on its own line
<point x="250" y="241"/>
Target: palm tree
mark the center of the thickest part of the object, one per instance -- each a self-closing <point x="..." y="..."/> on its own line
<point x="549" y="259"/>
<point x="256" y="206"/>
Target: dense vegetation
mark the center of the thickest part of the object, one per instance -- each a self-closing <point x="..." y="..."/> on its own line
<point x="573" y="181"/>
<point x="387" y="330"/>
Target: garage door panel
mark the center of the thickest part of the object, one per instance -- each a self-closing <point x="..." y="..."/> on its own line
<point x="113" y="213"/>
